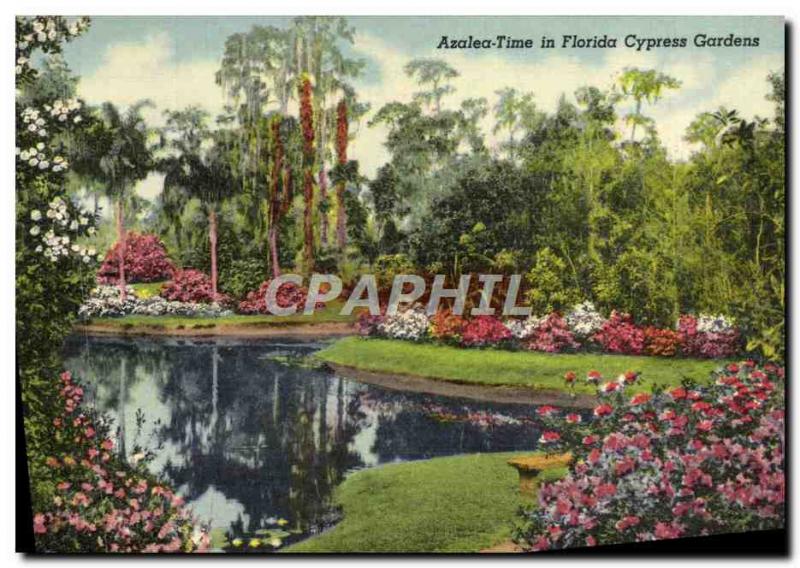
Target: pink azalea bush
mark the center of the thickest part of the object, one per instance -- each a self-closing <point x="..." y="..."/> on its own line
<point x="100" y="502"/>
<point x="620" y="335"/>
<point x="288" y="295"/>
<point x="483" y="331"/>
<point x="552" y="335"/>
<point x="146" y="260"/>
<point x="702" y="338"/>
<point x="190" y="286"/>
<point x="689" y="462"/>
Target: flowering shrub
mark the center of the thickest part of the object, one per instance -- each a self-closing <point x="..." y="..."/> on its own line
<point x="620" y="335"/>
<point x="146" y="260"/>
<point x="661" y="342"/>
<point x="101" y="503"/>
<point x="287" y="295"/>
<point x="447" y="326"/>
<point x="59" y="227"/>
<point x="708" y="336"/>
<point x="105" y="302"/>
<point x="523" y="329"/>
<point x="190" y="286"/>
<point x="411" y="324"/>
<point x="688" y="462"/>
<point x="553" y="336"/>
<point x="485" y="330"/>
<point x="368" y="324"/>
<point x="584" y="320"/>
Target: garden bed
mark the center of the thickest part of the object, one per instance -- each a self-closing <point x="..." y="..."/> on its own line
<point x="538" y="373"/>
<point x="454" y="504"/>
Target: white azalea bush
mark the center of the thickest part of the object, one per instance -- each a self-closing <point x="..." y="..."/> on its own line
<point x="58" y="230"/>
<point x="584" y="320"/>
<point x="524" y="328"/>
<point x="412" y="324"/>
<point x="715" y="324"/>
<point x="105" y="302"/>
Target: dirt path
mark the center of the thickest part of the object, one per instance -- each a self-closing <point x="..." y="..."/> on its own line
<point x="442" y="387"/>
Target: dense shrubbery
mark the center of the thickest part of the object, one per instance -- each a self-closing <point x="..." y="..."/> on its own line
<point x="146" y="260"/>
<point x="287" y="295"/>
<point x="689" y="462"/>
<point x="583" y="329"/>
<point x="190" y="286"/>
<point x="101" y="503"/>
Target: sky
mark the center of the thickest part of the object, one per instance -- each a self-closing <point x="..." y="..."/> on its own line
<point x="172" y="61"/>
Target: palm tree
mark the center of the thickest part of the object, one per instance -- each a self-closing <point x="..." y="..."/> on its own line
<point x="115" y="151"/>
<point x="197" y="168"/>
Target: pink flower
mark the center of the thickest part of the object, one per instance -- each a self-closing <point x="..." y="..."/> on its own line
<point x="39" y="524"/>
<point x="547" y="410"/>
<point x="107" y="444"/>
<point x="549" y="437"/>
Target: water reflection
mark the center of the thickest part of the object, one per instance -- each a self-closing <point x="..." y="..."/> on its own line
<point x="248" y="436"/>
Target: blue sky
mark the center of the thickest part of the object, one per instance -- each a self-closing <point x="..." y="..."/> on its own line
<point x="172" y="60"/>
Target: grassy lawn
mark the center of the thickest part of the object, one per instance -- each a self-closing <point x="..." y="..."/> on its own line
<point x="454" y="504"/>
<point x="328" y="314"/>
<point x="510" y="368"/>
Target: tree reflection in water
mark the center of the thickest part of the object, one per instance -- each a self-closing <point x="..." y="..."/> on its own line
<point x="249" y="438"/>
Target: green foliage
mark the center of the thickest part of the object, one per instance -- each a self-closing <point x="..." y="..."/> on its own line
<point x="390" y="265"/>
<point x="240" y="276"/>
<point x="550" y="289"/>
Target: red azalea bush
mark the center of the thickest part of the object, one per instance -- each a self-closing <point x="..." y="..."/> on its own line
<point x="146" y="260"/>
<point x="711" y="345"/>
<point x="485" y="330"/>
<point x="101" y="503"/>
<point x="662" y="342"/>
<point x="446" y="325"/>
<point x="288" y="295"/>
<point x="620" y="335"/>
<point x="190" y="286"/>
<point x="689" y="462"/>
<point x="368" y="324"/>
<point x="553" y="336"/>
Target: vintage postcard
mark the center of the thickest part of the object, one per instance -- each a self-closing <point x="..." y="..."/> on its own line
<point x="324" y="284"/>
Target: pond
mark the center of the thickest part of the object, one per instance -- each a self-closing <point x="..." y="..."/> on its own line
<point x="254" y="436"/>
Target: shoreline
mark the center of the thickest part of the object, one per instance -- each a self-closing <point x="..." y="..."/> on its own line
<point x="446" y="387"/>
<point x="309" y="331"/>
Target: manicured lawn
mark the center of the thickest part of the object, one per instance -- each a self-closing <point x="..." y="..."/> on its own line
<point x="510" y="368"/>
<point x="328" y="314"/>
<point x="454" y="504"/>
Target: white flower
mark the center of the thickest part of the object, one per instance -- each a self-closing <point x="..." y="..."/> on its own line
<point x="35" y="230"/>
<point x="73" y="226"/>
<point x="91" y="230"/>
<point x="36" y="215"/>
<point x="40" y="146"/>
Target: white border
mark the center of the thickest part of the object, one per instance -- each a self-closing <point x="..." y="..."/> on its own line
<point x="343" y="7"/>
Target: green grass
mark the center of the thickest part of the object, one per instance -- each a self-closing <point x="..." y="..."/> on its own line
<point x="508" y="368"/>
<point x="454" y="504"/>
<point x="147" y="289"/>
<point x="328" y="314"/>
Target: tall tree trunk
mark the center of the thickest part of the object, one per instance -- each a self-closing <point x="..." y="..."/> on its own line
<point x="323" y="195"/>
<point x="273" y="250"/>
<point x="308" y="219"/>
<point x="307" y="124"/>
<point x="212" y="238"/>
<point x="121" y="249"/>
<point x="341" y="155"/>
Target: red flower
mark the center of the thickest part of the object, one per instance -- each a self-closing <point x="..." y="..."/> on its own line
<point x="603" y="410"/>
<point x="593" y="377"/>
<point x="573" y="418"/>
<point x="640" y="398"/>
<point x="569" y="377"/>
<point x="549" y="437"/>
<point x="547" y="410"/>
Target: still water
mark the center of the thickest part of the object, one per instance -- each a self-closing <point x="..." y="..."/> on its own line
<point x="249" y="432"/>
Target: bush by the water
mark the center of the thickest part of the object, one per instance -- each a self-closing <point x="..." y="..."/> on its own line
<point x="100" y="501"/>
<point x="146" y="260"/>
